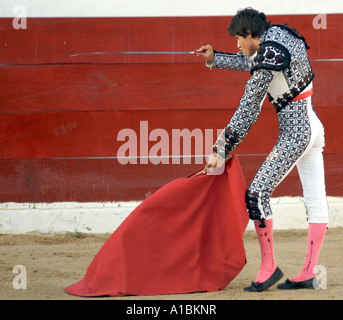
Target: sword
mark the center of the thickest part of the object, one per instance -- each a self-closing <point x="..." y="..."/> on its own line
<point x="169" y="52"/>
<point x="328" y="60"/>
<point x="134" y="52"/>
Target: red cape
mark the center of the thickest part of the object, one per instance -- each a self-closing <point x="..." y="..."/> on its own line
<point x="186" y="237"/>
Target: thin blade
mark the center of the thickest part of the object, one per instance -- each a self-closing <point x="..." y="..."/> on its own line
<point x="133" y="52"/>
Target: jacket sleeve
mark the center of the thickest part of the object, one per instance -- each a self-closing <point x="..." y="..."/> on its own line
<point x="231" y="61"/>
<point x="246" y="114"/>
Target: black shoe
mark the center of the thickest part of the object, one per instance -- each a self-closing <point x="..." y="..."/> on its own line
<point x="290" y="285"/>
<point x="259" y="287"/>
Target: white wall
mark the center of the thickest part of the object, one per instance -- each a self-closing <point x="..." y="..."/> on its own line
<point x="64" y="217"/>
<point x="126" y="8"/>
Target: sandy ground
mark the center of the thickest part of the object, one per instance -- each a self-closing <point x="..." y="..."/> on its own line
<point x="53" y="262"/>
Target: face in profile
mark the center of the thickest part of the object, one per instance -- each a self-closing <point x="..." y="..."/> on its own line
<point x="248" y="45"/>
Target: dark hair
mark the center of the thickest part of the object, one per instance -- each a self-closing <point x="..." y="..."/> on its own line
<point x="248" y="21"/>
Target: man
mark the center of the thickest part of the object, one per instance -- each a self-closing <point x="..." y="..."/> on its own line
<point x="277" y="60"/>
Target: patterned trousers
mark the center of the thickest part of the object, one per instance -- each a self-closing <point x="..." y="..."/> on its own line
<point x="300" y="144"/>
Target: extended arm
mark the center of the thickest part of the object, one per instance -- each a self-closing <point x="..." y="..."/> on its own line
<point x="222" y="60"/>
<point x="232" y="61"/>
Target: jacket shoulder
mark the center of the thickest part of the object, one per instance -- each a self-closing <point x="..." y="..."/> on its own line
<point x="272" y="55"/>
<point x="292" y="31"/>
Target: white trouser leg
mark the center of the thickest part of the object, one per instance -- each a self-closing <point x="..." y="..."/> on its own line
<point x="311" y="171"/>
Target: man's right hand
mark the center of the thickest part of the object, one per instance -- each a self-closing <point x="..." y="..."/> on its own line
<point x="206" y="52"/>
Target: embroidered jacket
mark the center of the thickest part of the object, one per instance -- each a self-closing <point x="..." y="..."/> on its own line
<point x="280" y="69"/>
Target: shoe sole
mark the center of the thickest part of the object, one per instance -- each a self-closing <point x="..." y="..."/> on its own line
<point x="308" y="284"/>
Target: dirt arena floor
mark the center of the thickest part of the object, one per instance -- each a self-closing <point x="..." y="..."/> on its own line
<point x="53" y="262"/>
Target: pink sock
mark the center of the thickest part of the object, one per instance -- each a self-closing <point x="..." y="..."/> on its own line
<point x="265" y="238"/>
<point x="315" y="238"/>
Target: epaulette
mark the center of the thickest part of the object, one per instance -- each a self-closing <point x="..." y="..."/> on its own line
<point x="272" y="56"/>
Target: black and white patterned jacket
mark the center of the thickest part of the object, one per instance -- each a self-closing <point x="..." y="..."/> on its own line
<point x="279" y="68"/>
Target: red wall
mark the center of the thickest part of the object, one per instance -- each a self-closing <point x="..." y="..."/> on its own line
<point x="60" y="115"/>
